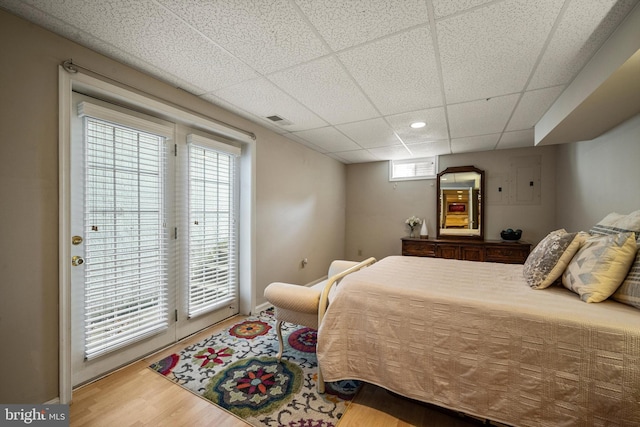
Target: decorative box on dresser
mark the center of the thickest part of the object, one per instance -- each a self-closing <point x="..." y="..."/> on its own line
<point x="470" y="250"/>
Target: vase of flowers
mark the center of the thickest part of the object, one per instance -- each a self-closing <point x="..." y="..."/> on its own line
<point x="413" y="222"/>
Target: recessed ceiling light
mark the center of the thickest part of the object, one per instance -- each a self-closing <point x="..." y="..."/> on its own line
<point x="418" y="125"/>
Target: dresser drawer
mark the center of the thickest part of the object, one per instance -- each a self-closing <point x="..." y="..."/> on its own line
<point x="448" y="251"/>
<point x="472" y="253"/>
<point x="470" y="250"/>
<point x="508" y="255"/>
<point x="418" y="248"/>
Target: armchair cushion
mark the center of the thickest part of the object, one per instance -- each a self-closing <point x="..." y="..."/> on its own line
<point x="338" y="266"/>
<point x="293" y="297"/>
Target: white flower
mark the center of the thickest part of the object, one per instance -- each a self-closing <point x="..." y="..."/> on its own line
<point x="413" y="221"/>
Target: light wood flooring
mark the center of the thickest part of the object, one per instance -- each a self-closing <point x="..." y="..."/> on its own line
<point x="137" y="396"/>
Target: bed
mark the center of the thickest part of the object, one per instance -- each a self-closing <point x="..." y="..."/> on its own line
<point x="475" y="338"/>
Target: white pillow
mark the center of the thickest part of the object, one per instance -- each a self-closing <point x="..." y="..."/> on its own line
<point x="615" y="223"/>
<point x="600" y="266"/>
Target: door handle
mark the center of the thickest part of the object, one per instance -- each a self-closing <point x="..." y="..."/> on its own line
<point x="77" y="260"/>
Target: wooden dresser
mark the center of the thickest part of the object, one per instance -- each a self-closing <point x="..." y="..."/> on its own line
<point x="470" y="250"/>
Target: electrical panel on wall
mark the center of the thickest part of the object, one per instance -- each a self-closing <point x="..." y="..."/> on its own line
<point x="497" y="189"/>
<point x="525" y="188"/>
<point x="519" y="186"/>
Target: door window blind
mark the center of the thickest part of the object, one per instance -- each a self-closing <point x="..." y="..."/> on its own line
<point x="212" y="254"/>
<point x="126" y="273"/>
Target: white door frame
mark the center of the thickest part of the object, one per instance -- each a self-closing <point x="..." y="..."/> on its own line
<point x="67" y="82"/>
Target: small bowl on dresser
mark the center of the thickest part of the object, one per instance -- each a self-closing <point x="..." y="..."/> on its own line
<point x="511" y="235"/>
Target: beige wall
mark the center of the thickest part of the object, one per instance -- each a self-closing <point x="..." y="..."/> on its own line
<point x="580" y="183"/>
<point x="377" y="208"/>
<point x="301" y="213"/>
<point x="291" y="181"/>
<point x="599" y="176"/>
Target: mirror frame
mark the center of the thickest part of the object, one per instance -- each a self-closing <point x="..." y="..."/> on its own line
<point x="457" y="169"/>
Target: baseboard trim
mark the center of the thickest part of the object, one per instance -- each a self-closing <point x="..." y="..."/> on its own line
<point x="315" y="282"/>
<point x="262" y="307"/>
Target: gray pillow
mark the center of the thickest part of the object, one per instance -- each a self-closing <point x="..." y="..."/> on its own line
<point x="629" y="291"/>
<point x="550" y="257"/>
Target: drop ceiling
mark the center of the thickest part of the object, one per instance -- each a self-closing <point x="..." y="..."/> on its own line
<point x="348" y="77"/>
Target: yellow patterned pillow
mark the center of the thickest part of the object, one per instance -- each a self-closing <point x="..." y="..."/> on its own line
<point x="600" y="266"/>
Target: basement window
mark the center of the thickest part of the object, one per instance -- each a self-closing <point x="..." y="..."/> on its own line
<point x="413" y="169"/>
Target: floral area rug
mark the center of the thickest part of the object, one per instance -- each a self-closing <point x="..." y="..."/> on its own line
<point x="236" y="369"/>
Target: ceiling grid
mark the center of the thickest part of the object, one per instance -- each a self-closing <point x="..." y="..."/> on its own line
<point x="349" y="76"/>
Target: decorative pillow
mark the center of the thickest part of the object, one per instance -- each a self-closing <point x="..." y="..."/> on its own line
<point x="600" y="266"/>
<point x="550" y="257"/>
<point x="615" y="223"/>
<point x="629" y="291"/>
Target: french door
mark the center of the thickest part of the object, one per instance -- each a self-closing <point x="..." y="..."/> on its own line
<point x="153" y="244"/>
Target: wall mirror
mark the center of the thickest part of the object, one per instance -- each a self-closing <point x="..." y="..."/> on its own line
<point x="460" y="205"/>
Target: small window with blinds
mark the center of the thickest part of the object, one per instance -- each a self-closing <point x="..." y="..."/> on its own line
<point x="212" y="254"/>
<point x="413" y="169"/>
<point x="126" y="275"/>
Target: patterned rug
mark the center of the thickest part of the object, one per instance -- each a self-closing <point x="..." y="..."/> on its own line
<point x="236" y="369"/>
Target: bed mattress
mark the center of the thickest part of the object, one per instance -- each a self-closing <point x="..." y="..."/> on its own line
<point x="474" y="337"/>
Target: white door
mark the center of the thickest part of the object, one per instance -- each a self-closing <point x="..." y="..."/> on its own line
<point x="133" y="277"/>
<point x="208" y="197"/>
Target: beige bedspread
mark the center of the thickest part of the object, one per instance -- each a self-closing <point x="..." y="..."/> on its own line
<point x="474" y="337"/>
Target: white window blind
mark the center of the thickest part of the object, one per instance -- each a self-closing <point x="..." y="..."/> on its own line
<point x="126" y="273"/>
<point x="212" y="265"/>
<point x="411" y="169"/>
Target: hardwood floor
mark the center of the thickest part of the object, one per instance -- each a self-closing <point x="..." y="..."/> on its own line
<point x="137" y="396"/>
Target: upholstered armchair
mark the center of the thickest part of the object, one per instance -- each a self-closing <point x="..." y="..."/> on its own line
<point x="306" y="305"/>
<point x="299" y="304"/>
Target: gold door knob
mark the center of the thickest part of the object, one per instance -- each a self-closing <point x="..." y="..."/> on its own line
<point x="77" y="260"/>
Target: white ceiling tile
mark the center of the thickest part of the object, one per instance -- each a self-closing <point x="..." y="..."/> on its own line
<point x="304" y="142"/>
<point x="243" y="113"/>
<point x="267" y="35"/>
<point x="156" y="36"/>
<point x="443" y="8"/>
<point x="435" y="129"/>
<point x="345" y="23"/>
<point x="492" y="50"/>
<point x="474" y="143"/>
<point x="329" y="139"/>
<point x="433" y="148"/>
<point x="370" y="133"/>
<point x="356" y="156"/>
<point x="68" y="30"/>
<point x="158" y="71"/>
<point x="585" y="25"/>
<point x="398" y="73"/>
<point x="398" y="152"/>
<point x="532" y="106"/>
<point x="517" y="139"/>
<point x="324" y="87"/>
<point x="263" y="98"/>
<point x="480" y="117"/>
